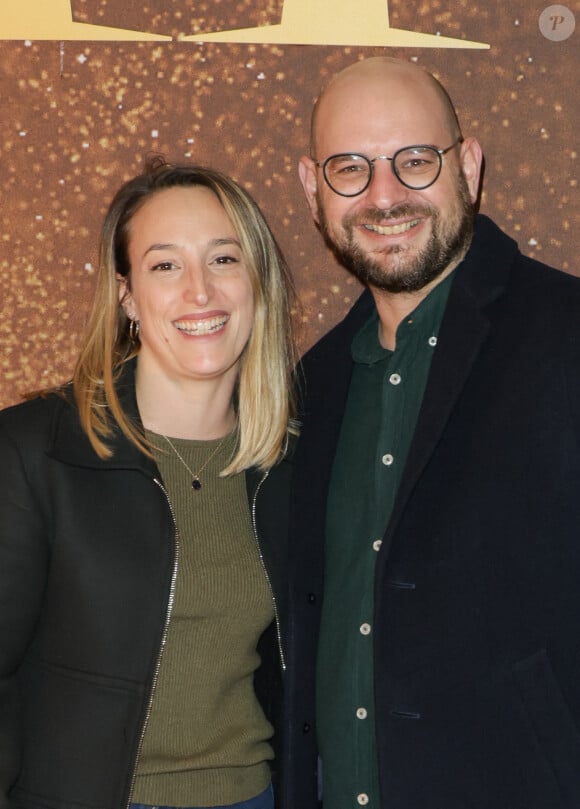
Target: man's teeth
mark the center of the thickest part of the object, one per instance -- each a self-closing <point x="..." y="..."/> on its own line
<point x="392" y="230"/>
<point x="201" y="326"/>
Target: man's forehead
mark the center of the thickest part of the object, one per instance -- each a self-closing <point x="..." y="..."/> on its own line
<point x="377" y="89"/>
<point x="369" y="118"/>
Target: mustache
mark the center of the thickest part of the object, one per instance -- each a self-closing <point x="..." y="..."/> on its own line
<point x="381" y="216"/>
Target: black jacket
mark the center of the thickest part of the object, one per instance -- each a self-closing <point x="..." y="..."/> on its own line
<point x="477" y="591"/>
<point x="87" y="556"/>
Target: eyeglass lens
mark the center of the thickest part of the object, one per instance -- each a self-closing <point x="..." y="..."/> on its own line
<point x="416" y="167"/>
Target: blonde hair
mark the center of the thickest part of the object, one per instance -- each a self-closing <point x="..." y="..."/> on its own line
<point x="264" y="395"/>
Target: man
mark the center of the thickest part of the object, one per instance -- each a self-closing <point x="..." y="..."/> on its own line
<point x="436" y="520"/>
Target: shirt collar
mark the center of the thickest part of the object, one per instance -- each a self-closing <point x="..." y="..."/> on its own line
<point x="424" y="322"/>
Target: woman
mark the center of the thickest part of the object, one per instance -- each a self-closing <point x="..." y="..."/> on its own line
<point x="141" y="529"/>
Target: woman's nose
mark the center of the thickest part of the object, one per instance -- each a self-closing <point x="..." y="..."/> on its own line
<point x="198" y="286"/>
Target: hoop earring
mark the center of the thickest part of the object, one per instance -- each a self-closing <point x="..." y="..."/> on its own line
<point x="134" y="329"/>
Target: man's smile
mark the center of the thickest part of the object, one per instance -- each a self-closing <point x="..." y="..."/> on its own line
<point x="392" y="230"/>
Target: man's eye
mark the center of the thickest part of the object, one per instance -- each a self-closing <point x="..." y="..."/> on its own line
<point x="417" y="162"/>
<point x="350" y="168"/>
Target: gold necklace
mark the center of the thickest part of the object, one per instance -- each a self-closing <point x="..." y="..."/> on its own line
<point x="195" y="480"/>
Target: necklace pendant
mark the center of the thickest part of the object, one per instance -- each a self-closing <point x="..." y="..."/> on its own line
<point x="196" y="484"/>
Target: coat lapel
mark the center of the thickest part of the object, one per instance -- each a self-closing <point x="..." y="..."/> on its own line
<point x="450" y="369"/>
<point x="480" y="280"/>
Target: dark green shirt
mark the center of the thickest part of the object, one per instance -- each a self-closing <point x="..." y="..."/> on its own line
<point x="383" y="403"/>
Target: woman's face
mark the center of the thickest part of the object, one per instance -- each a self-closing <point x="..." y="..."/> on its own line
<point x="189" y="288"/>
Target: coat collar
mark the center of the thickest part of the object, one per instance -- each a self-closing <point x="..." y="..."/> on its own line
<point x="478" y="281"/>
<point x="70" y="444"/>
<point x="484" y="272"/>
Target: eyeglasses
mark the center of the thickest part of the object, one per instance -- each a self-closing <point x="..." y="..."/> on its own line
<point x="415" y="167"/>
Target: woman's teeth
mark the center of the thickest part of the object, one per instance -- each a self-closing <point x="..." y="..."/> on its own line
<point x="201" y="326"/>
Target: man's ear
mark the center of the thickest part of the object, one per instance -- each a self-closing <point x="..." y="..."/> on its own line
<point x="309" y="180"/>
<point x="471" y="158"/>
<point x="126" y="298"/>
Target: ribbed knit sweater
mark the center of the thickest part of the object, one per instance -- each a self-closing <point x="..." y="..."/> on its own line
<point x="206" y="741"/>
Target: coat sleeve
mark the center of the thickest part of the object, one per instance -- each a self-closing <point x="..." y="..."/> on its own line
<point x="23" y="566"/>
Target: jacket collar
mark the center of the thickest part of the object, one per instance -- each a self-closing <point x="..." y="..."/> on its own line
<point x="482" y="275"/>
<point x="484" y="272"/>
<point x="478" y="281"/>
<point x="480" y="278"/>
<point x="70" y="444"/>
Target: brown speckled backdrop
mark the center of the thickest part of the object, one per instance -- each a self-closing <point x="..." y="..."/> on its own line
<point x="78" y="119"/>
<point x="178" y="17"/>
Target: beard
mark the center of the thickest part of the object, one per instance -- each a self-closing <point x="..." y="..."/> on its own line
<point x="402" y="271"/>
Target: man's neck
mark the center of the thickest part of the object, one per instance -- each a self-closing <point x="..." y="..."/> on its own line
<point x="394" y="307"/>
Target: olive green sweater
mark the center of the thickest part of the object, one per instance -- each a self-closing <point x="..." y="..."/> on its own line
<point x="207" y="740"/>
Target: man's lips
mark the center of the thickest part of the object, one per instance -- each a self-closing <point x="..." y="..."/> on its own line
<point x="392" y="230"/>
<point x="204" y="326"/>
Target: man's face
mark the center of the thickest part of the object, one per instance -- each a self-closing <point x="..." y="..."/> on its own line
<point x="402" y="264"/>
<point x="391" y="237"/>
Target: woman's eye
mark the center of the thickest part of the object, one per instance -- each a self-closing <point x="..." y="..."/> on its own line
<point x="225" y="260"/>
<point x="164" y="266"/>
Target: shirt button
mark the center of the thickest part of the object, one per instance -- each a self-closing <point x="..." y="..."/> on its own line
<point x="365" y="629"/>
<point x="432" y="341"/>
<point x="395" y="379"/>
<point x="362" y="799"/>
<point x="377" y="545"/>
<point x="387" y="459"/>
<point x="361" y="713"/>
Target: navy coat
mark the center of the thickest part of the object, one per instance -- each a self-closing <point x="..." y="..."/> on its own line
<point x="477" y="592"/>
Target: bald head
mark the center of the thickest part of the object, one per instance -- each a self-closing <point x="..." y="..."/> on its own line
<point x="387" y="81"/>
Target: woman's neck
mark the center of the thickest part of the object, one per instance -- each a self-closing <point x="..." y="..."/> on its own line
<point x="197" y="410"/>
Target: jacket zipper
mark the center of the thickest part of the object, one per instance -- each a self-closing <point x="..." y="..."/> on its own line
<point x="163" y="642"/>
<point x="265" y="569"/>
<point x="170" y="608"/>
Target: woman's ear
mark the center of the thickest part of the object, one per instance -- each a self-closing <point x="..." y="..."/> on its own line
<point x="126" y="298"/>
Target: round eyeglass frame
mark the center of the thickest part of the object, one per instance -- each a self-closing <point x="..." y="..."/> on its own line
<point x="371" y="161"/>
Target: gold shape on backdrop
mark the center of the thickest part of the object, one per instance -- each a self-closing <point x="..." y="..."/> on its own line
<point x="346" y="22"/>
<point x="304" y="22"/>
<point x="52" y="20"/>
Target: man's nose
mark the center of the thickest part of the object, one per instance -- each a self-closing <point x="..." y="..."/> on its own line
<point x="384" y="189"/>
